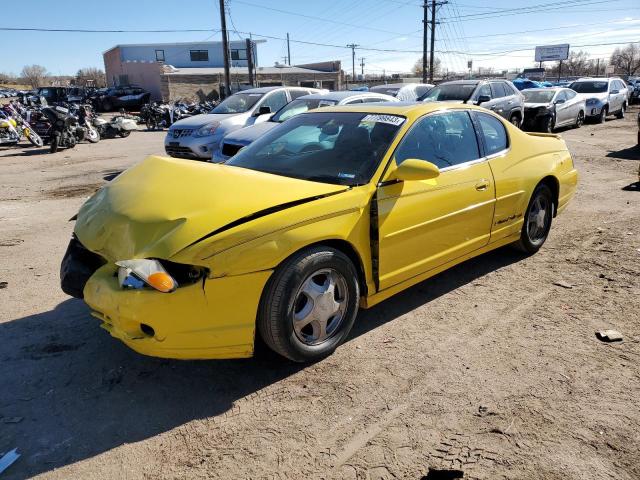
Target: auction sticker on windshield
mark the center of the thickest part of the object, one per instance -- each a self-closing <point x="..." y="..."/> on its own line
<point x="390" y="119"/>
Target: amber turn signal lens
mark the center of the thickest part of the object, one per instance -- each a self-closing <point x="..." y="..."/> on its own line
<point x="161" y="282"/>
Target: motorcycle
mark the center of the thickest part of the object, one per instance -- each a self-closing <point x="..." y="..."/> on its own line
<point x="119" y="126"/>
<point x="13" y="127"/>
<point x="157" y="116"/>
<point x="85" y="119"/>
<point x="66" y="131"/>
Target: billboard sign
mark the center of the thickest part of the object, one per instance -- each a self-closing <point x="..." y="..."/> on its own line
<point x="548" y="53"/>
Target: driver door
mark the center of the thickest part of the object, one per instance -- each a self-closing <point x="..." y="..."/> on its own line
<point x="423" y="224"/>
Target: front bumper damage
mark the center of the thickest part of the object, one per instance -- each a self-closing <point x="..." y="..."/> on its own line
<point x="212" y="319"/>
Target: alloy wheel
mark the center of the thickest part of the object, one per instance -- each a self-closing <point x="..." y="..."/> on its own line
<point x="539" y="219"/>
<point x="319" y="306"/>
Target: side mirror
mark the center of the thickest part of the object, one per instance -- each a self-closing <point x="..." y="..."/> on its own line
<point x="415" y="169"/>
<point x="483" y="99"/>
<point x="264" y="110"/>
<point x="559" y="101"/>
<point x="614" y="91"/>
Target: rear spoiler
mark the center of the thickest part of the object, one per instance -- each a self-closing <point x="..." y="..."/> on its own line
<point x="547" y="135"/>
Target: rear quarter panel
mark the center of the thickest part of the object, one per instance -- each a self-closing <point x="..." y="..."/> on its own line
<point x="531" y="158"/>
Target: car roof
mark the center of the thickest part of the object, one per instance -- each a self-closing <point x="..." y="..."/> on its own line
<point x="265" y="89"/>
<point x="462" y="82"/>
<point x="338" y="96"/>
<point x="545" y="89"/>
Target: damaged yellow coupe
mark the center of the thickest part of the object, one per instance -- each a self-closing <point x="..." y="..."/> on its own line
<point x="334" y="210"/>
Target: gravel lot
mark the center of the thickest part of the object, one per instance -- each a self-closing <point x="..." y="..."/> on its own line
<point x="490" y="367"/>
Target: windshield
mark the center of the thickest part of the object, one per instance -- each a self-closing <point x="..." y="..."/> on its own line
<point x="589" y="87"/>
<point x="538" y="96"/>
<point x="300" y="106"/>
<point x="238" y="103"/>
<point x="342" y="148"/>
<point x="455" y="91"/>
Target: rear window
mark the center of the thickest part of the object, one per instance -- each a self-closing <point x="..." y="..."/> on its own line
<point x="589" y="87"/>
<point x="443" y="93"/>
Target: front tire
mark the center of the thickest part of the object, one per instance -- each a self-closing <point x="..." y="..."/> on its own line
<point x="515" y="121"/>
<point x="548" y="124"/>
<point x="620" y="114"/>
<point x="309" y="304"/>
<point x="93" y="135"/>
<point x="603" y="114"/>
<point x="537" y="220"/>
<point x="55" y="142"/>
<point x="580" y="119"/>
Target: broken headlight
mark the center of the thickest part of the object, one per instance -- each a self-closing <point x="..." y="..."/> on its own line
<point x="138" y="273"/>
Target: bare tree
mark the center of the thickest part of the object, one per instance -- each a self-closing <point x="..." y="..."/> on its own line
<point x="7" y="78"/>
<point x="417" y="67"/>
<point x="34" y="75"/>
<point x="626" y="60"/>
<point x="91" y="76"/>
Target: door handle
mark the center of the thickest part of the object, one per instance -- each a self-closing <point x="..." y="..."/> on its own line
<point x="482" y="185"/>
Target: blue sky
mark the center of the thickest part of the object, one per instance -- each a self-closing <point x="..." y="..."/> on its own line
<point x="373" y="24"/>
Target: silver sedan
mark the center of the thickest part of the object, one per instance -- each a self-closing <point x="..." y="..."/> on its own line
<point x="546" y="109"/>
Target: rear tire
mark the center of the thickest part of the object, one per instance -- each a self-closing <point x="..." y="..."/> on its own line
<point x="309" y="304"/>
<point x="124" y="133"/>
<point x="537" y="220"/>
<point x="515" y="121"/>
<point x="580" y="119"/>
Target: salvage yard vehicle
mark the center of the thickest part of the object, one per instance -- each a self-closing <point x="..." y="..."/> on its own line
<point x="238" y="139"/>
<point x="198" y="137"/>
<point x="546" y="109"/>
<point x="500" y="96"/>
<point x="603" y="96"/>
<point x="129" y="97"/>
<point x="333" y="210"/>
<point x="405" y="92"/>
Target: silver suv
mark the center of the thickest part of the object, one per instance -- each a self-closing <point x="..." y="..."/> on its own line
<point x="198" y="137"/>
<point x="500" y="96"/>
<point x="603" y="96"/>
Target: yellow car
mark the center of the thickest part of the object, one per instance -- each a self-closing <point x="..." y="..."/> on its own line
<point x="334" y="210"/>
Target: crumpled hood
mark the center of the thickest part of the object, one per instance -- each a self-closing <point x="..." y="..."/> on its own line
<point x="162" y="205"/>
<point x="247" y="135"/>
<point x="198" y="121"/>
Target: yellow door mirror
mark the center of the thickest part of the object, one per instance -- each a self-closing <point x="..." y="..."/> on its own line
<point x="414" y="169"/>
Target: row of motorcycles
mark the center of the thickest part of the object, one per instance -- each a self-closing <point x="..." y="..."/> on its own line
<point x="158" y="115"/>
<point x="65" y="125"/>
<point x="60" y="126"/>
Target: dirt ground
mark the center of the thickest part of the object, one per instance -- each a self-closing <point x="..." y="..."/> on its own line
<point x="489" y="368"/>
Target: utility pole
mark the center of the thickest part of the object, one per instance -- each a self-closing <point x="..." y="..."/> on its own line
<point x="425" y="8"/>
<point x="362" y="66"/>
<point x="353" y="46"/>
<point x="225" y="48"/>
<point x="288" y="50"/>
<point x="598" y="67"/>
<point x="250" y="66"/>
<point x="434" y="6"/>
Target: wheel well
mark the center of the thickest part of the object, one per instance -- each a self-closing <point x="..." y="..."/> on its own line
<point x="349" y="250"/>
<point x="516" y="113"/>
<point x="554" y="185"/>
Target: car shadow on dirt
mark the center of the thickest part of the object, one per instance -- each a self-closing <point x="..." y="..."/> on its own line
<point x="631" y="153"/>
<point x="71" y="392"/>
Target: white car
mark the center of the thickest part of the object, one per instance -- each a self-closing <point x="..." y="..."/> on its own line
<point x="603" y="97"/>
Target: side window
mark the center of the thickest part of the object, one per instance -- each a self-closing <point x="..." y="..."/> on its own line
<point x="484" y="90"/>
<point x="275" y="100"/>
<point x="570" y="94"/>
<point x="497" y="90"/>
<point x="351" y="102"/>
<point x="562" y="95"/>
<point x="510" y="89"/>
<point x="297" y="93"/>
<point x="159" y="55"/>
<point x="445" y="139"/>
<point x="494" y="133"/>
